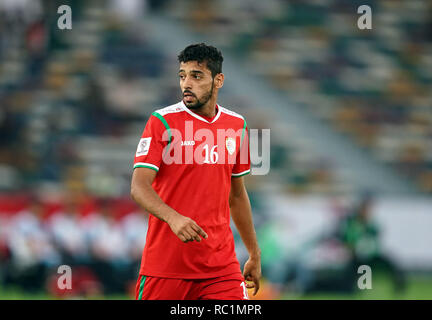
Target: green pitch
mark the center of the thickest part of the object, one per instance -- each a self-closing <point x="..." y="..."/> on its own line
<point x="418" y="287"/>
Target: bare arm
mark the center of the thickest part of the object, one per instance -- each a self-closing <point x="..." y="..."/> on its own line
<point x="241" y="213"/>
<point x="144" y="195"/>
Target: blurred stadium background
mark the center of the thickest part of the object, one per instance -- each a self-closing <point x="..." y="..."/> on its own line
<point x="350" y="113"/>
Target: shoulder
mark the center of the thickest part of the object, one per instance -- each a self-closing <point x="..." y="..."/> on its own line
<point x="232" y="114"/>
<point x="174" y="108"/>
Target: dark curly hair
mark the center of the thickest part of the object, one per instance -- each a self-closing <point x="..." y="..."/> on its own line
<point x="201" y="52"/>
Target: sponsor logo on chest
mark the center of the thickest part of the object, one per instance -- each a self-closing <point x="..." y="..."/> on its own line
<point x="188" y="143"/>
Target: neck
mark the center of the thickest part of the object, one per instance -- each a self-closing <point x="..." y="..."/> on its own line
<point x="208" y="109"/>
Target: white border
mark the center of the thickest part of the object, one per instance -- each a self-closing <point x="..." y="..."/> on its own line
<point x="145" y="164"/>
<point x="240" y="173"/>
<point x="193" y="114"/>
<point x="232" y="113"/>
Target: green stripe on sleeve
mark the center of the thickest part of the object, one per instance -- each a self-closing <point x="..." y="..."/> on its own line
<point x="240" y="174"/>
<point x="243" y="133"/>
<point x="145" y="166"/>
<point x="141" y="289"/>
<point x="165" y="123"/>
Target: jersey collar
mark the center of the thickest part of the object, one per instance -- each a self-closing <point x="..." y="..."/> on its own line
<point x="193" y="114"/>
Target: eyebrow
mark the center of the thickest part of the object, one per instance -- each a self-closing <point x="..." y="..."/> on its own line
<point x="192" y="71"/>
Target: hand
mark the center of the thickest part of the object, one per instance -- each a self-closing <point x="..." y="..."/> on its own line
<point x="252" y="272"/>
<point x="186" y="229"/>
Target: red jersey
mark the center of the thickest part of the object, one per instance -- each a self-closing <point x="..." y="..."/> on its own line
<point x="195" y="159"/>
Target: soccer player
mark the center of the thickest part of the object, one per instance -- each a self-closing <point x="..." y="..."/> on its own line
<point x="188" y="174"/>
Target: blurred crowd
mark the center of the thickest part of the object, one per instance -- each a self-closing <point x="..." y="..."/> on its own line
<point x="102" y="246"/>
<point x="375" y="85"/>
<point x="57" y="88"/>
<point x="329" y="261"/>
<point x="74" y="103"/>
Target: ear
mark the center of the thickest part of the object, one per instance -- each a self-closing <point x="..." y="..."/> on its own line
<point x="219" y="80"/>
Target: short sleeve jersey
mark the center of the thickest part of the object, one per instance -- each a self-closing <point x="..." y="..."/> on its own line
<point x="195" y="159"/>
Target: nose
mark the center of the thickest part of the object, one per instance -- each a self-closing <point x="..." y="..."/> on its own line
<point x="187" y="84"/>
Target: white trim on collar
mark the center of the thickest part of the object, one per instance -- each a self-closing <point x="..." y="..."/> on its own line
<point x="193" y="114"/>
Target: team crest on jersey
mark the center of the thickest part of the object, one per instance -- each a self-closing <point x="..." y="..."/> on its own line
<point x="230" y="145"/>
<point x="143" y="147"/>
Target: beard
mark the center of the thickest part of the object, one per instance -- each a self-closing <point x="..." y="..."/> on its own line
<point x="200" y="102"/>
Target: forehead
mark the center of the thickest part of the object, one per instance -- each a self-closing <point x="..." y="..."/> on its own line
<point x="194" y="65"/>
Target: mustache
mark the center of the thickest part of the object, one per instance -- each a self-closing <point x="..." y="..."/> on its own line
<point x="187" y="91"/>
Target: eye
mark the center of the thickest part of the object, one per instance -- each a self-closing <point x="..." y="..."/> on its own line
<point x="181" y="76"/>
<point x="197" y="76"/>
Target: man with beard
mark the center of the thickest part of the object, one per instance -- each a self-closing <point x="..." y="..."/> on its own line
<point x="189" y="252"/>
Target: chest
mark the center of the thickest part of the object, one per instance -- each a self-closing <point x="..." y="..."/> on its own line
<point x="193" y="142"/>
